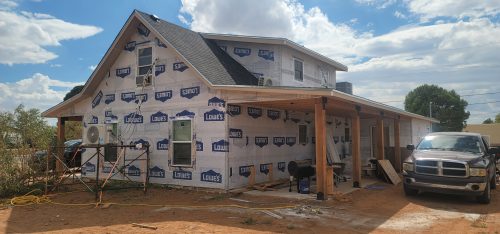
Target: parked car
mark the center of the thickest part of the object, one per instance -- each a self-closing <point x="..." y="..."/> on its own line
<point x="452" y="163"/>
<point x="72" y="148"/>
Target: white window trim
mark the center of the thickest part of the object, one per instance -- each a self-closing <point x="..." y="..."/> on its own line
<point x="303" y="75"/>
<point x="171" y="149"/>
<point x="147" y="45"/>
<point x="305" y="138"/>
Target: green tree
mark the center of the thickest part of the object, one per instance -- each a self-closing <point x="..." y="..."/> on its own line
<point x="31" y="128"/>
<point x="447" y="106"/>
<point x="74" y="91"/>
<point x="497" y="118"/>
<point x="488" y="121"/>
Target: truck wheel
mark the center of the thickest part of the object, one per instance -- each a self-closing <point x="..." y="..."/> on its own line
<point x="409" y="191"/>
<point x="486" y="196"/>
<point x="493" y="183"/>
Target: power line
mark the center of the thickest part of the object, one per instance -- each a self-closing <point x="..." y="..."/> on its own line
<point x="477" y="94"/>
<point x="480" y="103"/>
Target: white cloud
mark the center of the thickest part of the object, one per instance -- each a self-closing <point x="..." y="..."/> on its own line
<point x="25" y="35"/>
<point x="92" y="67"/>
<point x="400" y="15"/>
<point x="38" y="91"/>
<point x="379" y="4"/>
<point x="429" y="9"/>
<point x="7" y="4"/>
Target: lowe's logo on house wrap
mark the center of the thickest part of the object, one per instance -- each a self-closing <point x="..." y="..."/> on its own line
<point x="109" y="98"/>
<point x="143" y="30"/>
<point x="245" y="171"/>
<point x="144" y="143"/>
<point x="291" y="141"/>
<point x="133" y="118"/>
<point x="156" y="172"/>
<point x="211" y="176"/>
<point x="163" y="96"/>
<point x="242" y="52"/>
<point x="223" y="47"/>
<point x="235" y="133"/>
<point x="182" y="175"/>
<point x="94" y="120"/>
<point x="159" y="69"/>
<point x="281" y="166"/>
<point x="97" y="99"/>
<point x="180" y="66"/>
<point x="128" y="97"/>
<point x="261" y="141"/>
<point x="214" y="115"/>
<point x="159" y="43"/>
<point x="254" y="112"/>
<point x="133" y="171"/>
<point x="278" y="141"/>
<point x="266" y="54"/>
<point x="220" y="146"/>
<point x="295" y="120"/>
<point x="199" y="145"/>
<point x="215" y="101"/>
<point x="130" y="46"/>
<point x="185" y="113"/>
<point x="159" y="117"/>
<point x="123" y="72"/>
<point x="141" y="97"/>
<point x="162" y="144"/>
<point x="264" y="168"/>
<point x="273" y="114"/>
<point x="190" y="92"/>
<point x="89" y="167"/>
<point x="107" y="169"/>
<point x="109" y="117"/>
<point x="233" y="110"/>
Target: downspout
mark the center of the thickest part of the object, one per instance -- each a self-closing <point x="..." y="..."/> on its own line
<point x="226" y="136"/>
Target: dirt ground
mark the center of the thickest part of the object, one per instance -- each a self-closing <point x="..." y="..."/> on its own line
<point x="381" y="209"/>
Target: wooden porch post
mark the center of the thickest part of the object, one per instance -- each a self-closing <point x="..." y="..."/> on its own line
<point x="397" y="145"/>
<point x="356" y="151"/>
<point x="61" y="122"/>
<point x="320" y="132"/>
<point x="380" y="140"/>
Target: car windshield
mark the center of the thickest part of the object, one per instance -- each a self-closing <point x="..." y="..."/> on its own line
<point x="462" y="143"/>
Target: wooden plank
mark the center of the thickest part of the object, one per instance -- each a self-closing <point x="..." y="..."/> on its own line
<point x="61" y="122"/>
<point x="389" y="171"/>
<point x="320" y="132"/>
<point x="397" y="145"/>
<point x="356" y="152"/>
<point x="380" y="139"/>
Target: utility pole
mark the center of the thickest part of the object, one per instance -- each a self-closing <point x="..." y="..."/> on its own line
<point x="430" y="113"/>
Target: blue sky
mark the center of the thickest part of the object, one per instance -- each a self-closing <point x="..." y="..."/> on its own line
<point x="390" y="46"/>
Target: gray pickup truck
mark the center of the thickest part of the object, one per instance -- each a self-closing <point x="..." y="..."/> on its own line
<point x="453" y="163"/>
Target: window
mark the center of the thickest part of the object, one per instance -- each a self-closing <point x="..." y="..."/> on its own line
<point x="299" y="70"/>
<point x="145" y="60"/>
<point x="302" y="134"/>
<point x="182" y="142"/>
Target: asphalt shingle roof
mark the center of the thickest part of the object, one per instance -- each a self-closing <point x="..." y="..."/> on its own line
<point x="204" y="54"/>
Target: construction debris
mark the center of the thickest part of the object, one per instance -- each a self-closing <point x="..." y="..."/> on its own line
<point x="144" y="226"/>
<point x="271" y="214"/>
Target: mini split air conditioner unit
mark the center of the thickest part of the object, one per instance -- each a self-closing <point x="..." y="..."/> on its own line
<point x="99" y="134"/>
<point x="263" y="81"/>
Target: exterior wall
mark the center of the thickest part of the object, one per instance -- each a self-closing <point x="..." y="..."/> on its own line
<point x="490" y="131"/>
<point x="171" y="79"/>
<point x="420" y="128"/>
<point x="280" y="69"/>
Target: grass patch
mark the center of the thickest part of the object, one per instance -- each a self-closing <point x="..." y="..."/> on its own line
<point x="480" y="222"/>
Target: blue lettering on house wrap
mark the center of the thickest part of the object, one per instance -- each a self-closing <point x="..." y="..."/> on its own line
<point x="233" y="110"/>
<point x="159" y="69"/>
<point x="141" y="97"/>
<point x="235" y="133"/>
<point x="215" y="101"/>
<point x="278" y="141"/>
<point x="258" y="75"/>
<point x="133" y="118"/>
<point x="97" y="99"/>
<point x="107" y="169"/>
<point x="159" y="43"/>
<point x="220" y="146"/>
<point x="163" y="96"/>
<point x="199" y="145"/>
<point x="281" y="166"/>
<point x="295" y="120"/>
<point x="109" y="117"/>
<point x="89" y="167"/>
<point x="133" y="171"/>
<point x="109" y="98"/>
<point x="211" y="176"/>
<point x="162" y="144"/>
<point x="185" y="113"/>
<point x="140" y="141"/>
<point x="159" y="117"/>
<point x="182" y="175"/>
<point x="245" y="171"/>
<point x="190" y="92"/>
<point x="254" y="112"/>
<point x="123" y="72"/>
<point x="130" y="46"/>
<point x="242" y="52"/>
<point x="94" y="120"/>
<point x="179" y="66"/>
<point x="213" y="115"/>
<point x="266" y="54"/>
<point x="273" y="114"/>
<point x="156" y="172"/>
<point x="143" y="30"/>
<point x="128" y="97"/>
<point x="264" y="168"/>
<point x="261" y="141"/>
<point x="223" y="47"/>
<point x="291" y="141"/>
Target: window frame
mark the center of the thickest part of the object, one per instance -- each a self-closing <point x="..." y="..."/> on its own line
<point x="173" y="142"/>
<point x="304" y="141"/>
<point x="295" y="70"/>
<point x="151" y="64"/>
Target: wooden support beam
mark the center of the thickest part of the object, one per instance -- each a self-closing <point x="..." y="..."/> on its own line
<point x="61" y="122"/>
<point x="397" y="145"/>
<point x="356" y="151"/>
<point x="320" y="133"/>
<point x="380" y="138"/>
